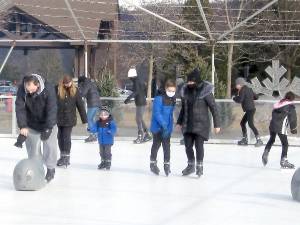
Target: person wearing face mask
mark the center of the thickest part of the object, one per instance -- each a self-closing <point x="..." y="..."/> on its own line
<point x="162" y="126"/>
<point x="36" y="112"/>
<point x="68" y="99"/>
<point x="197" y="100"/>
<point x="106" y="129"/>
<point x="139" y="94"/>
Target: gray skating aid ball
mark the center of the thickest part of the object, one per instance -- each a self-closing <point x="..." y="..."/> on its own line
<point x="29" y="175"/>
<point x="295" y="185"/>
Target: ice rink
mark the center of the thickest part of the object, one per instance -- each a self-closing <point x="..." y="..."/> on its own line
<point x="235" y="189"/>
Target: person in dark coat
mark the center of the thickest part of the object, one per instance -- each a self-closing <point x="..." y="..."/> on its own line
<point x="162" y="126"/>
<point x="283" y="115"/>
<point x="139" y="94"/>
<point x="36" y="111"/>
<point x="106" y="129"/>
<point x="89" y="91"/>
<point x="68" y="99"/>
<point x="197" y="99"/>
<point x="246" y="98"/>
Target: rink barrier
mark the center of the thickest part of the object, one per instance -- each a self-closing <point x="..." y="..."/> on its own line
<point x="14" y="130"/>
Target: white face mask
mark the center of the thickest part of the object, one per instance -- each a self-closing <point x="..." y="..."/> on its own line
<point x="170" y="94"/>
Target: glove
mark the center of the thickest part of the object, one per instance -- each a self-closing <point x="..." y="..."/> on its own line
<point x="165" y="133"/>
<point x="46" y="134"/>
<point x="127" y="101"/>
<point x="21" y="139"/>
<point x="294" y="131"/>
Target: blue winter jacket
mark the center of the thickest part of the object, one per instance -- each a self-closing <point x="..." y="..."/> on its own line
<point x="162" y="113"/>
<point x="105" y="133"/>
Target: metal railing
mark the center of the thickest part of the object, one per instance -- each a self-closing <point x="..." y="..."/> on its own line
<point x="230" y="112"/>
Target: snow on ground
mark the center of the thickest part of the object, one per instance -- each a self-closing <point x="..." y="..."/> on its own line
<point x="235" y="189"/>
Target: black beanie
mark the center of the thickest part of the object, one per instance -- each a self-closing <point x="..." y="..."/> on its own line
<point x="194" y="76"/>
<point x="81" y="79"/>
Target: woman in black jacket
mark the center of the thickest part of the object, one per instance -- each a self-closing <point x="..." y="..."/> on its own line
<point x="283" y="115"/>
<point x="68" y="99"/>
<point x="197" y="99"/>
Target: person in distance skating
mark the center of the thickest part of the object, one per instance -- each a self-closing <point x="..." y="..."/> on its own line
<point x="283" y="115"/>
<point x="246" y="98"/>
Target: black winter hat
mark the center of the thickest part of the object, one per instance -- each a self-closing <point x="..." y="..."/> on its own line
<point x="81" y="79"/>
<point x="195" y="76"/>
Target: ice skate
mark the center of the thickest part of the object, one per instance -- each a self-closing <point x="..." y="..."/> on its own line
<point x="199" y="169"/>
<point x="107" y="164"/>
<point x="189" y="169"/>
<point x="139" y="139"/>
<point x="265" y="157"/>
<point x="153" y="167"/>
<point x="50" y="175"/>
<point x="167" y="168"/>
<point x="147" y="137"/>
<point x="258" y="142"/>
<point x="102" y="165"/>
<point x="285" y="164"/>
<point x="243" y="141"/>
<point x="91" y="138"/>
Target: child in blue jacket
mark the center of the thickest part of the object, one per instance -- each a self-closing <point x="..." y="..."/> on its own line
<point x="162" y="125"/>
<point x="106" y="129"/>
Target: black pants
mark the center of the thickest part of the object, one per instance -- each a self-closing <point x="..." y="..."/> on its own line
<point x="190" y="140"/>
<point x="158" y="140"/>
<point x="249" y="117"/>
<point x="105" y="152"/>
<point x="139" y="118"/>
<point x="284" y="143"/>
<point x="64" y="139"/>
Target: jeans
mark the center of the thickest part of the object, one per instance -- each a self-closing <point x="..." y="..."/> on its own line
<point x="91" y="114"/>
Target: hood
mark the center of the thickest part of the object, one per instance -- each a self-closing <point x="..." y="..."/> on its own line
<point x="41" y="81"/>
<point x="281" y="104"/>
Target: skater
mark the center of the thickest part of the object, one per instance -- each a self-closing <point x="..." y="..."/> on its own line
<point x="197" y="98"/>
<point x="246" y="98"/>
<point x="68" y="99"/>
<point x="106" y="129"/>
<point x="36" y="111"/>
<point x="283" y="115"/>
<point x="89" y="91"/>
<point x="139" y="94"/>
<point x="162" y="126"/>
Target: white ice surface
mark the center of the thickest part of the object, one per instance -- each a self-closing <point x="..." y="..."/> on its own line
<point x="235" y="189"/>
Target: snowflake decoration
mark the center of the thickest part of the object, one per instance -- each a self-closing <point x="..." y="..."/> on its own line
<point x="279" y="83"/>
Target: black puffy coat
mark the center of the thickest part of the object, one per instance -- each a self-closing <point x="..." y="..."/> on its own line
<point x="246" y="98"/>
<point x="194" y="115"/>
<point x="37" y="111"/>
<point x="139" y="92"/>
<point x="283" y="115"/>
<point x="66" y="110"/>
<point x="89" y="91"/>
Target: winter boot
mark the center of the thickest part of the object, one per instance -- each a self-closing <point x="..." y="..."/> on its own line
<point x="285" y="164"/>
<point x="147" y="137"/>
<point x="107" y="164"/>
<point x="139" y="138"/>
<point x="167" y="168"/>
<point x="189" y="169"/>
<point x="258" y="142"/>
<point x="243" y="141"/>
<point x="265" y="157"/>
<point x="153" y="167"/>
<point x="199" y="169"/>
<point x="91" y="138"/>
<point x="50" y="174"/>
<point x="102" y="165"/>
